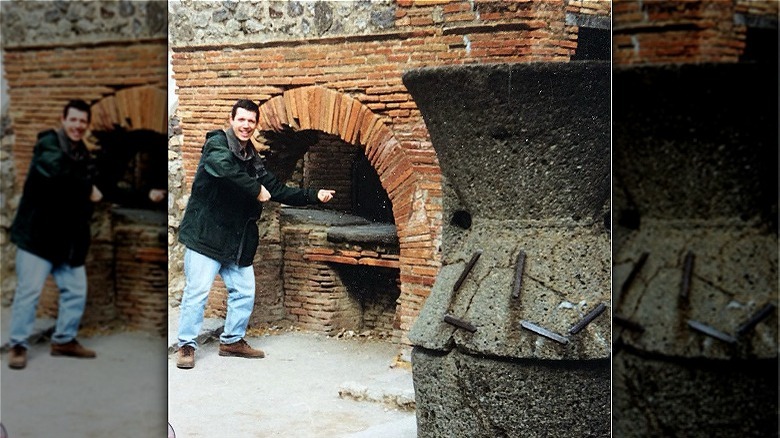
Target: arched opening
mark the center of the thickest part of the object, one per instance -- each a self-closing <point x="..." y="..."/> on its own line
<point x="381" y="224"/>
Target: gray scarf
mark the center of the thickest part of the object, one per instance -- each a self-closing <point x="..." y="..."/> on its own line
<point x="245" y="153"/>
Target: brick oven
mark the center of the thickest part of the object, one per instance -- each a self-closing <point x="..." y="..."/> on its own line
<point x="341" y="264"/>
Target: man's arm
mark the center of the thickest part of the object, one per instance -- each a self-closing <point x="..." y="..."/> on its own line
<point x="291" y="195"/>
<point x="218" y="161"/>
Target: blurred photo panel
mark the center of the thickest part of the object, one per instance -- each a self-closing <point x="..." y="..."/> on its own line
<point x="468" y="146"/>
<point x="83" y="257"/>
<point x="695" y="285"/>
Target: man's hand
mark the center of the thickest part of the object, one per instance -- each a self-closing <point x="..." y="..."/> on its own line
<point x="325" y="195"/>
<point x="95" y="196"/>
<point x="157" y="195"/>
<point x="264" y="194"/>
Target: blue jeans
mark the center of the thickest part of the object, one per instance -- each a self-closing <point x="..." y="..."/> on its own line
<point x="199" y="272"/>
<point x="31" y="273"/>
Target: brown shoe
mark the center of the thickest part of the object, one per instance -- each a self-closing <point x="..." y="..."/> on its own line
<point x="240" y="349"/>
<point x="18" y="357"/>
<point x="186" y="357"/>
<point x="72" y="349"/>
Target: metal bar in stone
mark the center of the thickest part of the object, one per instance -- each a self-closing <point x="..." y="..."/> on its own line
<point x="634" y="271"/>
<point x="593" y="314"/>
<point x="627" y="323"/>
<point x="459" y="323"/>
<point x="709" y="331"/>
<point x="466" y="271"/>
<point x="518" y="274"/>
<point x="544" y="332"/>
<point x="755" y="319"/>
<point x="685" y="286"/>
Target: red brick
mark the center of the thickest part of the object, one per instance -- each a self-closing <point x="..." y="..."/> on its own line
<point x="365" y="261"/>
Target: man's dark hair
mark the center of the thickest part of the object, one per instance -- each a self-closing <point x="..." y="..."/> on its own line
<point x="247" y="105"/>
<point x="79" y="105"/>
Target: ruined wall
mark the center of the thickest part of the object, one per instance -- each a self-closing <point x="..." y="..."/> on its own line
<point x="8" y="203"/>
<point x="340" y="272"/>
<point x="262" y="50"/>
<point x="689" y="31"/>
<point x="61" y="23"/>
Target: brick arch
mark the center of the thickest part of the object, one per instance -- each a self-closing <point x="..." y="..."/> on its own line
<point x="319" y="108"/>
<point x="141" y="107"/>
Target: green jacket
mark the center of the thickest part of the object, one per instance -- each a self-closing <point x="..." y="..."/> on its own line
<point x="220" y="221"/>
<point x="52" y="221"/>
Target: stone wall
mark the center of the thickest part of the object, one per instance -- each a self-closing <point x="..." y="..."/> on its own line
<point x="8" y="205"/>
<point x="204" y="23"/>
<point x="69" y="23"/>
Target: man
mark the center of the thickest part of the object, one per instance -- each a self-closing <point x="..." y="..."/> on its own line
<point x="219" y="230"/>
<point x="52" y="235"/>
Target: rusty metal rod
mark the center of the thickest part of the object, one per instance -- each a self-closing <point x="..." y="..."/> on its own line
<point x="755" y="319"/>
<point x="634" y="272"/>
<point x="544" y="332"/>
<point x="466" y="271"/>
<point x="627" y="323"/>
<point x="685" y="285"/>
<point x="593" y="314"/>
<point x="518" y="274"/>
<point x="709" y="331"/>
<point x="459" y="323"/>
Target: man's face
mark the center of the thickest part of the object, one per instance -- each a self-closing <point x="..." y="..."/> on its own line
<point x="75" y="124"/>
<point x="243" y="123"/>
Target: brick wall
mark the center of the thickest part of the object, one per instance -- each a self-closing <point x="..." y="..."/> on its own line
<point x="141" y="264"/>
<point x="328" y="163"/>
<point x="346" y="82"/>
<point x="88" y="73"/>
<point x="690" y="31"/>
<point x="331" y="287"/>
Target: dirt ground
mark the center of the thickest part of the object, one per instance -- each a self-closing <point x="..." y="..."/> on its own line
<point x="121" y="393"/>
<point x="309" y="385"/>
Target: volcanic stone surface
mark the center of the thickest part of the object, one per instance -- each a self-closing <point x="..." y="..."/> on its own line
<point x="695" y="172"/>
<point x="470" y="397"/>
<point x="524" y="154"/>
<point x="524" y="150"/>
